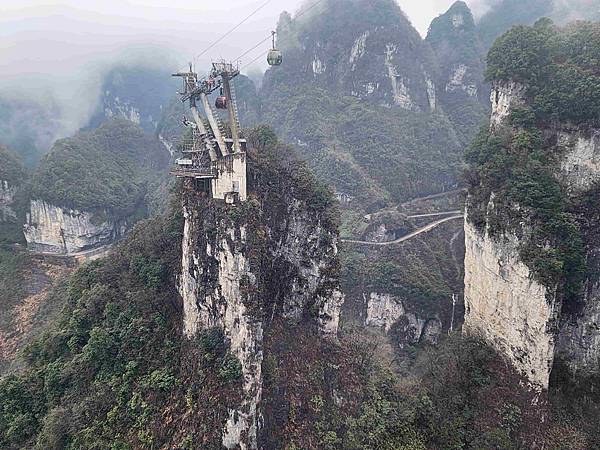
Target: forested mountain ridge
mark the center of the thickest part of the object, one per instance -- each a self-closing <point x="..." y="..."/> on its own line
<point x="462" y="92"/>
<point x="13" y="185"/>
<point x="117" y="370"/>
<point x="102" y="168"/>
<point x="362" y="108"/>
<point x="91" y="188"/>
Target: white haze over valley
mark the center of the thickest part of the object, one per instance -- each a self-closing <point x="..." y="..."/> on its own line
<point x="57" y="51"/>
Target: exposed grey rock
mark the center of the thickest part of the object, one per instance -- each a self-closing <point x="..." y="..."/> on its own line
<point x="506" y="307"/>
<point x="504" y="304"/>
<point x="54" y="229"/>
<point x="431" y="331"/>
<point x="383" y="310"/>
<point x="386" y="311"/>
<point x="218" y="276"/>
<point x="505" y="96"/>
<point x="581" y="162"/>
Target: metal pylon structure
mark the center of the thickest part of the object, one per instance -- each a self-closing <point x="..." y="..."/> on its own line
<point x="227" y="72"/>
<point x="208" y="151"/>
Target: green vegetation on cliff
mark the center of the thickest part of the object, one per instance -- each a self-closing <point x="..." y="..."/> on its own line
<point x="515" y="172"/>
<point x="11" y="167"/>
<point x="512" y="174"/>
<point x="115" y="370"/>
<point x="504" y="14"/>
<point x="111" y="168"/>
<point x="350" y="396"/>
<point x="558" y="66"/>
<point x="13" y="200"/>
<point x="338" y="99"/>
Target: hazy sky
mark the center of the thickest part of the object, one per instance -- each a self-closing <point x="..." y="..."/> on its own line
<point x="60" y="49"/>
<point x="61" y="34"/>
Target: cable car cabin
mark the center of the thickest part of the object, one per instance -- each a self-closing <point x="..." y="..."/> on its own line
<point x="274" y="58"/>
<point x="221" y="102"/>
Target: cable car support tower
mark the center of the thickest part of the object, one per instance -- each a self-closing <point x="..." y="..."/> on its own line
<point x="209" y="153"/>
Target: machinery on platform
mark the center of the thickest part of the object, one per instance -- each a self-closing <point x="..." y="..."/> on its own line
<point x="212" y="152"/>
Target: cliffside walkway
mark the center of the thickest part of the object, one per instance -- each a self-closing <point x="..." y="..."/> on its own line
<point x="413" y="201"/>
<point x="437" y="214"/>
<point x="415" y="233"/>
<point x="86" y="255"/>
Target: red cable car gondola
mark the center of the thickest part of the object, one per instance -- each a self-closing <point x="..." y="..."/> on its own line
<point x="221" y="102"/>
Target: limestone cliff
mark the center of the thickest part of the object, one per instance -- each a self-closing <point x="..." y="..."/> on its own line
<point x="497" y="282"/>
<point x="532" y="240"/>
<point x="506" y="306"/>
<point x="92" y="187"/>
<point x="387" y="312"/>
<point x="504" y="300"/>
<point x="53" y="229"/>
<point x="246" y="267"/>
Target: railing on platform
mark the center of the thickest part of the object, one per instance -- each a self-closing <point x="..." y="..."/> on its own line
<point x="193" y="172"/>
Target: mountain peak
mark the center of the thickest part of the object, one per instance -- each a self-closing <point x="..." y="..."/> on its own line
<point x="458" y="18"/>
<point x="358" y="48"/>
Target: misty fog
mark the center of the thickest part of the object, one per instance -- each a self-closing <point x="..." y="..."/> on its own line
<point x="55" y="52"/>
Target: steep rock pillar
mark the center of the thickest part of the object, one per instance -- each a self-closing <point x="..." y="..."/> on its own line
<point x="506" y="307"/>
<point x="246" y="266"/>
<point x="528" y="316"/>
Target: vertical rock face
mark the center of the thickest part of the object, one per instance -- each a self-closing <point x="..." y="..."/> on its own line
<point x="222" y="305"/>
<point x="505" y="303"/>
<point x="387" y="312"/>
<point x="383" y="311"/>
<point x="579" y="337"/>
<point x="504" y="96"/>
<point x="54" y="229"/>
<point x="578" y="342"/>
<point x="138" y="94"/>
<point x="533" y="235"/>
<point x="506" y="307"/>
<point x="244" y="267"/>
<point x="580" y="167"/>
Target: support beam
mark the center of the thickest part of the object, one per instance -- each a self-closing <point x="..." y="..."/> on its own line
<point x="233" y="119"/>
<point x="204" y="132"/>
<point x="214" y="125"/>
